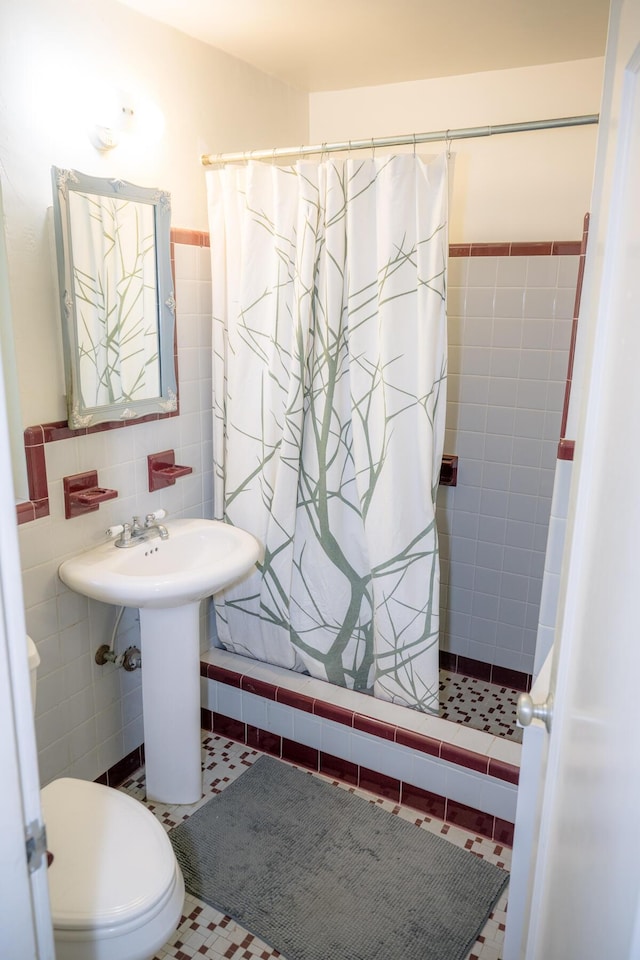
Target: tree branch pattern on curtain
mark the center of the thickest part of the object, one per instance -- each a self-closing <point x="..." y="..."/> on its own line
<point x="329" y="340"/>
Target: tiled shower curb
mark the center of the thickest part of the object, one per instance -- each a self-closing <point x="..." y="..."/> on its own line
<point x="399" y="791"/>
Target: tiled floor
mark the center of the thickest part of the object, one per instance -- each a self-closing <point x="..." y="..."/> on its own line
<point x="479" y="704"/>
<point x="205" y="932"/>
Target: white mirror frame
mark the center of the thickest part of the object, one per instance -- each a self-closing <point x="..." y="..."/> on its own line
<point x="81" y="414"/>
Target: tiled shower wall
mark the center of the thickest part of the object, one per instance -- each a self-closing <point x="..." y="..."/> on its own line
<point x="89" y="717"/>
<point x="510" y="323"/>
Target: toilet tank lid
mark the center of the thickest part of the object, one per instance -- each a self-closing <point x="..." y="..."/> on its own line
<point x="34" y="656"/>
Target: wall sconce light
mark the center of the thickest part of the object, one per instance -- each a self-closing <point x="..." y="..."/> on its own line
<point x="121" y="116"/>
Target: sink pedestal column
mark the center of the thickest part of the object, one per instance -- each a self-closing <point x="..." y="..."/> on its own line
<point x="170" y="647"/>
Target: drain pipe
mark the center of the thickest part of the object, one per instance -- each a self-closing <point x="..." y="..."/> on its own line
<point x="131" y="659"/>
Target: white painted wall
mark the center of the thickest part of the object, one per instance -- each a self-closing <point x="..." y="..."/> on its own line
<point x="527" y="186"/>
<point x="55" y="55"/>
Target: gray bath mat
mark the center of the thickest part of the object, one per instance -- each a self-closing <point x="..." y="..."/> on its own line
<point x="321" y="874"/>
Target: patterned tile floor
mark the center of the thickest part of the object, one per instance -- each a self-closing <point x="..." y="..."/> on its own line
<point x="205" y="932"/>
<point x="479" y="704"/>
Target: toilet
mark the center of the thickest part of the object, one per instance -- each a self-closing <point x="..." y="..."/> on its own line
<point x="115" y="887"/>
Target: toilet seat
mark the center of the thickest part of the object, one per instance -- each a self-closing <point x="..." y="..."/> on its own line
<point x="113" y="873"/>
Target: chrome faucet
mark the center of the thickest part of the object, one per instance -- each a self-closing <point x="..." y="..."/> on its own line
<point x="135" y="532"/>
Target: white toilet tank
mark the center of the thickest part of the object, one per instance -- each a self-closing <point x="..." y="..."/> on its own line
<point x="34" y="663"/>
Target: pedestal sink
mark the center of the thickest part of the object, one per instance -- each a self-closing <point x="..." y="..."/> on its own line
<point x="166" y="579"/>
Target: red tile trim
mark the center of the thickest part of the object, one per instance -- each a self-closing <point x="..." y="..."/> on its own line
<point x="537" y="249"/>
<point x="418" y="741"/>
<point x="377" y="728"/>
<point x="504" y="771"/>
<point x="228" y="727"/>
<point x="470" y="819"/>
<point x="206" y="717"/>
<point x="574" y="329"/>
<point x="543" y="248"/>
<point x="38" y="503"/>
<point x="300" y="753"/>
<point x="193" y="238"/>
<point x="259" y="687"/>
<point x="567" y="248"/>
<point x="566" y="449"/>
<point x="464" y="758"/>
<point x="339" y="769"/>
<point x="490" y="250"/>
<point x="474" y="668"/>
<point x="503" y="832"/>
<point x="264" y="740"/>
<point x="293" y="699"/>
<point x="459" y="249"/>
<point x="480" y="670"/>
<point x="426" y="802"/>
<point x="448" y="661"/>
<point x="380" y="783"/>
<point x="229" y="677"/>
<point x="331" y="711"/>
<point x="510" y="678"/>
<point x="119" y="772"/>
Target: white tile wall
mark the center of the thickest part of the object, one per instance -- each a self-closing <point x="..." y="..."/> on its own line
<point x="509" y="332"/>
<point x="89" y="717"/>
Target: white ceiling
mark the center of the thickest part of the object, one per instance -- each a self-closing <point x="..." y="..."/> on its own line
<point x="319" y="45"/>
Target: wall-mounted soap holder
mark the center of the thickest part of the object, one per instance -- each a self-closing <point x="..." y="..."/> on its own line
<point x="163" y="470"/>
<point x="449" y="471"/>
<point x="82" y="494"/>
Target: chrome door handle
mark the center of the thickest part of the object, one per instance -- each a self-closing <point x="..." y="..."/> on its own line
<point x="527" y="711"/>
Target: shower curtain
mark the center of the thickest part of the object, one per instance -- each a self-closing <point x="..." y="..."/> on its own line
<point x="329" y="373"/>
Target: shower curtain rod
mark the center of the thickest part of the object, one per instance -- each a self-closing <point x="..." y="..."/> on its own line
<point x="413" y="138"/>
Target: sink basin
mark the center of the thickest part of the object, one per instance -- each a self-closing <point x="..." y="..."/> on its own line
<point x="199" y="558"/>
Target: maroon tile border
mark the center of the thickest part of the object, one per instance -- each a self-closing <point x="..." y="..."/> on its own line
<point x="339" y="769"/>
<point x="119" y="772"/>
<point x="574" y="333"/>
<point x="423" y="800"/>
<point x="192" y="238"/>
<point x="566" y="449"/>
<point x="470" y="819"/>
<point x="543" y="248"/>
<point x="260" y="687"/>
<point x="490" y="672"/>
<point x="379" y="783"/>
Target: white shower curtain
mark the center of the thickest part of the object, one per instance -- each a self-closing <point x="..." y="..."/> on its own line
<point x="329" y="342"/>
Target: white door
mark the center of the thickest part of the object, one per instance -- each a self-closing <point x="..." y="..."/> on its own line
<point x="584" y="883"/>
<point x="25" y="920"/>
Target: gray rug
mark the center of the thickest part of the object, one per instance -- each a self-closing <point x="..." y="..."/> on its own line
<point x="321" y="874"/>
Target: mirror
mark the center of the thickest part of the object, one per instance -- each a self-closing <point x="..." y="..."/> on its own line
<point x="116" y="295"/>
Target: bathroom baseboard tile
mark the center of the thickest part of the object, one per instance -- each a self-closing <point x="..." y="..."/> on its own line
<point x="118" y="773"/>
